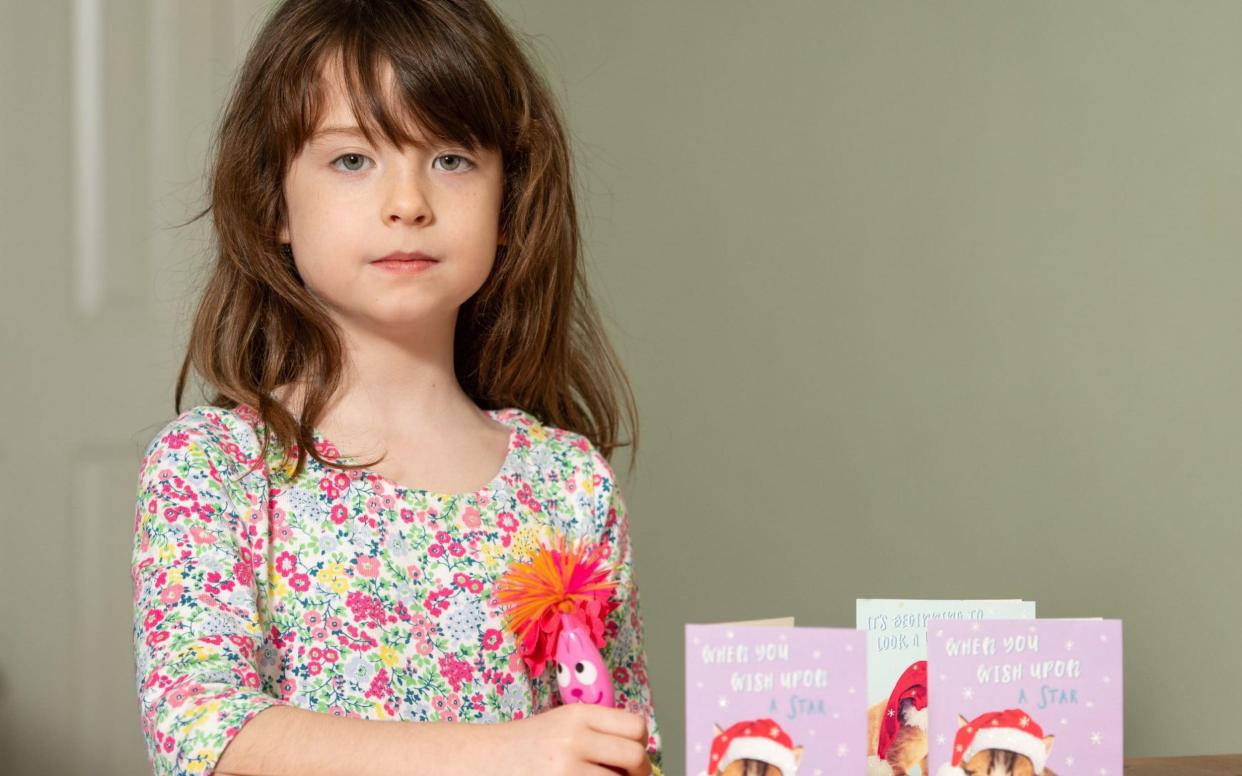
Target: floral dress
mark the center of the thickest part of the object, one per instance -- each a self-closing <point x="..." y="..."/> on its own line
<point x="347" y="593"/>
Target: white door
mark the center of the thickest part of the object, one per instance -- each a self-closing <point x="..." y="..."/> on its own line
<point x="106" y="111"/>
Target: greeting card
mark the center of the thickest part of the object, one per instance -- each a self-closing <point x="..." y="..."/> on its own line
<point x="897" y="673"/>
<point x="1025" y="697"/>
<point x="784" y="699"/>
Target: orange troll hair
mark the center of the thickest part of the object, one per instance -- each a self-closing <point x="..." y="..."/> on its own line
<point x="531" y="337"/>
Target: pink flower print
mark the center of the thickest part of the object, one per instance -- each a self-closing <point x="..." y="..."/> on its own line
<point x="456" y="550"/>
<point x="492" y="639"/>
<point x="200" y="536"/>
<point x="475" y="586"/>
<point x="319" y="634"/>
<point x="299" y="582"/>
<point x="340" y="479"/>
<point x="621" y="676"/>
<point x="157" y="637"/>
<point x="443" y="537"/>
<point x="313" y="668"/>
<point x="283" y="532"/>
<point x="312" y="618"/>
<point x="407" y="515"/>
<point x="176" y="441"/>
<point x="315" y="653"/>
<point x="389" y="501"/>
<point x="241" y="571"/>
<point x="470" y="518"/>
<point x="460" y="579"/>
<point x="373" y="504"/>
<point x="288" y="686"/>
<point x="337" y="711"/>
<point x="334" y="623"/>
<point x="436" y="550"/>
<point x="414" y="572"/>
<point x="330" y="655"/>
<point x="178" y="696"/>
<point x="338" y="514"/>
<point x="286" y="563"/>
<point x="171" y="594"/>
<point x="368" y="566"/>
<point x="153" y="618"/>
<point x="328" y="488"/>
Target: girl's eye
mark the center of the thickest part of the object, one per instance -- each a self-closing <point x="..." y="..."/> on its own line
<point x="350" y="159"/>
<point x="461" y="160"/>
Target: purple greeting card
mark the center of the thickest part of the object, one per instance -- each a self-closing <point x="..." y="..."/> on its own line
<point x="791" y="699"/>
<point x="1027" y="696"/>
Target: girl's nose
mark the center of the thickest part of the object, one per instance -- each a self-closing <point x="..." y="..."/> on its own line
<point x="407" y="199"/>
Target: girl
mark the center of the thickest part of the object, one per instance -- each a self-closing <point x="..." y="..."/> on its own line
<point x="397" y="277"/>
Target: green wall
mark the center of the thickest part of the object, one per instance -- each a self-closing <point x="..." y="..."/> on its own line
<point x="925" y="299"/>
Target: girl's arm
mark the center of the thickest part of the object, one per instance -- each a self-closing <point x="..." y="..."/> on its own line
<point x="577" y="739"/>
<point x="625" y="650"/>
<point x="198" y="563"/>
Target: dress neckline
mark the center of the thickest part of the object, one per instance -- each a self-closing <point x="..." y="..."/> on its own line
<point x="506" y="416"/>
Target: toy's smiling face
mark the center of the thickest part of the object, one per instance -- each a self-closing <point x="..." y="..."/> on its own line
<point x="580" y="671"/>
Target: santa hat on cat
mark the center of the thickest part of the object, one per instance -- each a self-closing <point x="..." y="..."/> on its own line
<point x="1012" y="730"/>
<point x="760" y="739"/>
<point x="911" y="686"/>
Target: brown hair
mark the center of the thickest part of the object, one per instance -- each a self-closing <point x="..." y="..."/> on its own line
<point x="530" y="338"/>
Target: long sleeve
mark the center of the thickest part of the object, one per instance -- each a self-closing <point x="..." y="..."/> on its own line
<point x="198" y="563"/>
<point x="625" y="651"/>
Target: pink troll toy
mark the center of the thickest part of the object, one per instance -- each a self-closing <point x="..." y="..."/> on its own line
<point x="560" y="599"/>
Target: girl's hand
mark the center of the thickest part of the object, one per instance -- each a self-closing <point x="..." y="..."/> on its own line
<point x="574" y="740"/>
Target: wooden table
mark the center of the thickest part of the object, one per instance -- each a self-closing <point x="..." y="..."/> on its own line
<point x="1203" y="765"/>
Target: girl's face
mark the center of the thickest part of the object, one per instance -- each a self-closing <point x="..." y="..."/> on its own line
<point x="350" y="203"/>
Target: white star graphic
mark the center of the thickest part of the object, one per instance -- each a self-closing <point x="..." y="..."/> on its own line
<point x="842" y="750"/>
<point x="698" y="747"/>
<point x="940" y="740"/>
<point x="940" y="633"/>
<point x="836" y="715"/>
<point x="1103" y="772"/>
<point x="1024" y="722"/>
<point x="1069" y="645"/>
<point x="1091" y="704"/>
<point x="1095" y="738"/>
<point x="892" y="713"/>
<point x="1069" y="760"/>
<point x="851" y="691"/>
<point x="816" y="654"/>
<point x="724" y="702"/>
<point x="1107" y="680"/>
<point x="1103" y="637"/>
<point x="968" y="693"/>
<point x="782" y="637"/>
<point x="1064" y="721"/>
<point x="974" y="626"/>
<point x="944" y="677"/>
<point x="728" y="634"/>
<point x="1031" y="629"/>
<point x="700" y="685"/>
<point x="849" y="647"/>
<point x="697" y="641"/>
